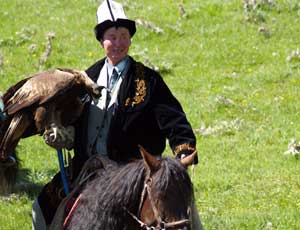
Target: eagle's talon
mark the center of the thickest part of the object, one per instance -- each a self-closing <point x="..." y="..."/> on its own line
<point x="60" y="137"/>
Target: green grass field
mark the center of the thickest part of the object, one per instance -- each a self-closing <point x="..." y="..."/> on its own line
<point x="235" y="67"/>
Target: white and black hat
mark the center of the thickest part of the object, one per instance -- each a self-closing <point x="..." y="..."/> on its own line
<point x="111" y="14"/>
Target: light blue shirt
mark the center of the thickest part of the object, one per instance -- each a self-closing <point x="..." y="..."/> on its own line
<point x="119" y="67"/>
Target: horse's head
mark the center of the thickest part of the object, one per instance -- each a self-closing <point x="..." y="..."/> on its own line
<point x="167" y="195"/>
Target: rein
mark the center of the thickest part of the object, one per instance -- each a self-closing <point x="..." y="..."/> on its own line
<point x="161" y="225"/>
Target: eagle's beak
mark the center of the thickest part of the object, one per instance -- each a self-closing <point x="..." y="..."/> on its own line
<point x="97" y="91"/>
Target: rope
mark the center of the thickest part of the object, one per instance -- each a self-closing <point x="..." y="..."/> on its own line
<point x="162" y="225"/>
<point x="63" y="172"/>
<point x="71" y="212"/>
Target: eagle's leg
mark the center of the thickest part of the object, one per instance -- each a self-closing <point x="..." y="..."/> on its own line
<point x="60" y="137"/>
<point x="56" y="135"/>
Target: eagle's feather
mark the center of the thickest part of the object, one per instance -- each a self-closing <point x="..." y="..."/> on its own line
<point x="34" y="104"/>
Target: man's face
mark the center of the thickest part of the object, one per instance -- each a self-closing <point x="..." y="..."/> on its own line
<point x="116" y="42"/>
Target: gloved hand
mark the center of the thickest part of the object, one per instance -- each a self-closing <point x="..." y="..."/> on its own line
<point x="60" y="137"/>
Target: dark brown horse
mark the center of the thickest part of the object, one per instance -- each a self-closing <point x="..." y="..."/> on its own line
<point x="153" y="193"/>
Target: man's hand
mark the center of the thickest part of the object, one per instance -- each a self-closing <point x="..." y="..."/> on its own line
<point x="188" y="152"/>
<point x="60" y="137"/>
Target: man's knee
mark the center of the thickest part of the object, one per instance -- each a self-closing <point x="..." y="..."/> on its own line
<point x="38" y="220"/>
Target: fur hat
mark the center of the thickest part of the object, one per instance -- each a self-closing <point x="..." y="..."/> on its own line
<point x="111" y="14"/>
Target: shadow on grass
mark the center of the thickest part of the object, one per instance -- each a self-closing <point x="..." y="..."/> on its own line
<point x="26" y="185"/>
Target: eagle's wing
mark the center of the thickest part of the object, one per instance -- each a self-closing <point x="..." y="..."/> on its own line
<point x="18" y="124"/>
<point x="38" y="89"/>
<point x="30" y="101"/>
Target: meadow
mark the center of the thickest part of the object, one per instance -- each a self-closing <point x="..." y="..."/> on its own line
<point x="235" y="67"/>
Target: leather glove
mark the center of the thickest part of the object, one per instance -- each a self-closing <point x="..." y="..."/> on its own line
<point x="60" y="137"/>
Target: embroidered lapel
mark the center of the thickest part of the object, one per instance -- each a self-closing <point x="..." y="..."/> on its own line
<point x="140" y="87"/>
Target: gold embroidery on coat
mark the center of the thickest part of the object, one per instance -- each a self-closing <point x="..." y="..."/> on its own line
<point x="140" y="90"/>
<point x="183" y="147"/>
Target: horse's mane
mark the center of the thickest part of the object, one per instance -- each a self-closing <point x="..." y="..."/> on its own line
<point x="103" y="200"/>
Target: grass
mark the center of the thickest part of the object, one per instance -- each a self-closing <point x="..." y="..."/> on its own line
<point x="236" y="71"/>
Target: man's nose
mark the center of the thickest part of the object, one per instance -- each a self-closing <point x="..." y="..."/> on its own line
<point x="117" y="42"/>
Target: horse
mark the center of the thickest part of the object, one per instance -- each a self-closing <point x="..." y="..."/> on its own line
<point x="151" y="193"/>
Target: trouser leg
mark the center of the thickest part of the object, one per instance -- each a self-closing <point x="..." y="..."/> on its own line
<point x="38" y="220"/>
<point x="196" y="223"/>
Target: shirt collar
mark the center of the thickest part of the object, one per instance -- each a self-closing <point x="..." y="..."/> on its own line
<point x="119" y="67"/>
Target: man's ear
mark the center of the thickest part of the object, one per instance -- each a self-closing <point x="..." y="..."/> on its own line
<point x="101" y="43"/>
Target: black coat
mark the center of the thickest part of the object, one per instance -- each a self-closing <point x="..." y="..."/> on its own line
<point x="148" y="114"/>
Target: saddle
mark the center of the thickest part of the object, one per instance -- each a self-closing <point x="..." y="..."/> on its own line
<point x="95" y="165"/>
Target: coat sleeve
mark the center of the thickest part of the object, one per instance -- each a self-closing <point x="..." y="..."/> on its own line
<point x="172" y="120"/>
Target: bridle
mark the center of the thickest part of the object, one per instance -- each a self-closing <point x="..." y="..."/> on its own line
<point x="161" y="225"/>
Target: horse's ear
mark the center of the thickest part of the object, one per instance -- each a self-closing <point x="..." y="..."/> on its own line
<point x="188" y="160"/>
<point x="151" y="162"/>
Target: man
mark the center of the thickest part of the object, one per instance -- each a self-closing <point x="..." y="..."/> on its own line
<point x="136" y="108"/>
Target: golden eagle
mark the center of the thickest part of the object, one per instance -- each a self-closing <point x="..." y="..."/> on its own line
<point x="43" y="104"/>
